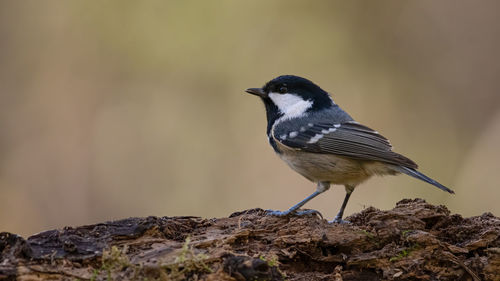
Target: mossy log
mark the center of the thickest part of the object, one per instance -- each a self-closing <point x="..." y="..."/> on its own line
<point x="413" y="241"/>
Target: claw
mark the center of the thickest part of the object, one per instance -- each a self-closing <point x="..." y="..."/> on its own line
<point x="309" y="212"/>
<point x="296" y="213"/>
<point x="277" y="213"/>
<point x="340" y="221"/>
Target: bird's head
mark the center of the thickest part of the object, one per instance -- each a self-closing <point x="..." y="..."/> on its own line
<point x="291" y="96"/>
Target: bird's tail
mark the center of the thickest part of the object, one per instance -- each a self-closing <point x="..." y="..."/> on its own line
<point x="418" y="175"/>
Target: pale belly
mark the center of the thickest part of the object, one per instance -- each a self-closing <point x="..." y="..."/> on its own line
<point x="334" y="169"/>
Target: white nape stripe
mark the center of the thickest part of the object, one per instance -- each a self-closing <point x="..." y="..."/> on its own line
<point x="331" y="99"/>
<point x="290" y="105"/>
<point x="316" y="138"/>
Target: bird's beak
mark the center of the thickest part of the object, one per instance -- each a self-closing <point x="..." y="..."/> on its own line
<point x="257" y="91"/>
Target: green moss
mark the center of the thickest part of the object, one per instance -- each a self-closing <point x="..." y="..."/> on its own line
<point x="369" y="234"/>
<point x="116" y="260"/>
<point x="272" y="261"/>
<point x="186" y="262"/>
<point x="404" y="253"/>
<point x="95" y="274"/>
<point x="405" y="232"/>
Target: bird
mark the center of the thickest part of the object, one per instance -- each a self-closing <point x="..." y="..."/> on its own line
<point x="323" y="143"/>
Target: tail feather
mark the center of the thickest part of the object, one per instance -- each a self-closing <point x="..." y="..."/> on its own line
<point x="416" y="174"/>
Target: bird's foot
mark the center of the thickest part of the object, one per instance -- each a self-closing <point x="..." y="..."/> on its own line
<point x="306" y="212"/>
<point x="339" y="220"/>
<point x="309" y="212"/>
<point x="277" y="213"/>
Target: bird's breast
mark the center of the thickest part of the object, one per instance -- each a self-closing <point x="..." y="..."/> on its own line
<point x="326" y="167"/>
<point x="333" y="168"/>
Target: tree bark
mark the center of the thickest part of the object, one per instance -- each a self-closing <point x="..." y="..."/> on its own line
<point x="413" y="241"/>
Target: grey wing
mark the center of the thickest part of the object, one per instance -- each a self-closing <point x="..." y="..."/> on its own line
<point x="349" y="139"/>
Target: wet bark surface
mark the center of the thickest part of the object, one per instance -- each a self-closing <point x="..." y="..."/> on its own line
<point x="413" y="241"/>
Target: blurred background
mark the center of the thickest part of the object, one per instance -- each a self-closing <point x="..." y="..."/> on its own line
<point x="112" y="109"/>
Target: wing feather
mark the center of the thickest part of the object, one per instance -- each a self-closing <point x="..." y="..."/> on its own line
<point x="349" y="139"/>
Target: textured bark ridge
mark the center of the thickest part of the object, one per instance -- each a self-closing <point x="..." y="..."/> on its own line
<point x="413" y="241"/>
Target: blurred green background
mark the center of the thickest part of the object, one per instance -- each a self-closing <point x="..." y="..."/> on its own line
<point x="111" y="109"/>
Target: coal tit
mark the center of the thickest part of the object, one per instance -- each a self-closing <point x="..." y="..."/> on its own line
<point x="320" y="141"/>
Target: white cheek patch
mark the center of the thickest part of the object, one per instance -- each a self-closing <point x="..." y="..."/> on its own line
<point x="290" y="105"/>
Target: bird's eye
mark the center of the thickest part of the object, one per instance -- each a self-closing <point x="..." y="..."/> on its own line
<point x="283" y="89"/>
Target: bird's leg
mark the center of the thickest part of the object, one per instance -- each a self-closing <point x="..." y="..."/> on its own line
<point x="322" y="187"/>
<point x="348" y="191"/>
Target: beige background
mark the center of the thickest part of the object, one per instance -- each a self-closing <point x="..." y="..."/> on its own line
<point x="111" y="109"/>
